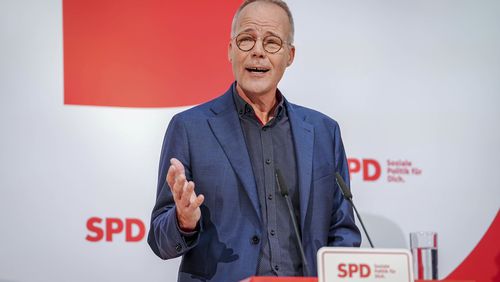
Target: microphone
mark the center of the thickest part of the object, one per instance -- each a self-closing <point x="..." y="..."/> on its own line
<point x="280" y="181"/>
<point x="348" y="196"/>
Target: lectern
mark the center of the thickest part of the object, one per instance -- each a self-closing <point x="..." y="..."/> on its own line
<point x="280" y="279"/>
<point x="314" y="279"/>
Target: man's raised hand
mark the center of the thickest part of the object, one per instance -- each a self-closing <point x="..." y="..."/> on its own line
<point x="187" y="204"/>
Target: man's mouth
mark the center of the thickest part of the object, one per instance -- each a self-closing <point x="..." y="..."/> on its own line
<point x="257" y="70"/>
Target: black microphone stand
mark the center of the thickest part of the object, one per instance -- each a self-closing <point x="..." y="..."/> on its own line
<point x="284" y="192"/>
<point x="348" y="196"/>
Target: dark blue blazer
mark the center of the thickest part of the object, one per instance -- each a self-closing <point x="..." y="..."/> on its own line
<point x="209" y="141"/>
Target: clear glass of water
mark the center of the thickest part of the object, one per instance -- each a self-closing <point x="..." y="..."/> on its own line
<point x="424" y="251"/>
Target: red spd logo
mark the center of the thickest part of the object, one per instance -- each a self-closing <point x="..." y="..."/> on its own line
<point x="353" y="270"/>
<point x="370" y="169"/>
<point x="105" y="229"/>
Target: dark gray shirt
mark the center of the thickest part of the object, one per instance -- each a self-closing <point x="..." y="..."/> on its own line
<point x="271" y="147"/>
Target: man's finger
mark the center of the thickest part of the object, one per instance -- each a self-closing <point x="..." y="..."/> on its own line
<point x="196" y="203"/>
<point x="171" y="176"/>
<point x="187" y="193"/>
<point x="178" y="187"/>
<point x="179" y="167"/>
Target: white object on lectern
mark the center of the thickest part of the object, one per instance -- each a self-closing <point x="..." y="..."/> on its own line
<point x="353" y="264"/>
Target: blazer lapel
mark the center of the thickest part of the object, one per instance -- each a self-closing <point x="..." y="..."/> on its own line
<point x="227" y="129"/>
<point x="303" y="138"/>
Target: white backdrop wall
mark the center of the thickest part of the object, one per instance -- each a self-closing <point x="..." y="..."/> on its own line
<point x="415" y="81"/>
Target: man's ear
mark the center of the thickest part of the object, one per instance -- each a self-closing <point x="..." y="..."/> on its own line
<point x="291" y="55"/>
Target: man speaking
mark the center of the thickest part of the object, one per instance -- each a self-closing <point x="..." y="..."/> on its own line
<point x="218" y="202"/>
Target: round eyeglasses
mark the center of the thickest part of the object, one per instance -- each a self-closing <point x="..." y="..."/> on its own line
<point x="271" y="43"/>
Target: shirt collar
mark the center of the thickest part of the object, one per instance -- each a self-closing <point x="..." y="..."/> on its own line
<point x="243" y="108"/>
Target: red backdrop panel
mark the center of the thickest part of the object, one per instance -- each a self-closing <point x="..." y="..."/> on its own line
<point x="150" y="53"/>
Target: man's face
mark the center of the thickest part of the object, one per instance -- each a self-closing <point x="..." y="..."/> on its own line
<point x="257" y="71"/>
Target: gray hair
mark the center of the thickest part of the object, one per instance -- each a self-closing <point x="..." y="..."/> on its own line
<point x="279" y="3"/>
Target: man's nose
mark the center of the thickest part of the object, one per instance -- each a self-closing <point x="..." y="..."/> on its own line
<point x="258" y="49"/>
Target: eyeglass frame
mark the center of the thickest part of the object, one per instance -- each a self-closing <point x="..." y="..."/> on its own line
<point x="283" y="42"/>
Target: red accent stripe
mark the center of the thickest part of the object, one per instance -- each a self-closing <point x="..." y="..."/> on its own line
<point x="420" y="264"/>
<point x="483" y="263"/>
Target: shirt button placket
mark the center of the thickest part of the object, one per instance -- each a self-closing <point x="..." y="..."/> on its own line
<point x="269" y="184"/>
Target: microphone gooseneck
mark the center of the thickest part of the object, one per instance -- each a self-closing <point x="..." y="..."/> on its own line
<point x="348" y="196"/>
<point x="280" y="182"/>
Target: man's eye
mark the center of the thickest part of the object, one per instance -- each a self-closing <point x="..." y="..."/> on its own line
<point x="272" y="41"/>
<point x="245" y="39"/>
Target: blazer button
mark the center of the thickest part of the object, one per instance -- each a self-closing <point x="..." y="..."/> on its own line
<point x="255" y="240"/>
<point x="178" y="248"/>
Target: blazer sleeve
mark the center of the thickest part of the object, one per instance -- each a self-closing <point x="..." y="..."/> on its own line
<point x="165" y="237"/>
<point x="343" y="230"/>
